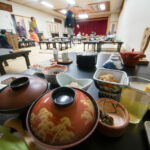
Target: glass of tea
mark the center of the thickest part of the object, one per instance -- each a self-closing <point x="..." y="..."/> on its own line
<point x="136" y="102"/>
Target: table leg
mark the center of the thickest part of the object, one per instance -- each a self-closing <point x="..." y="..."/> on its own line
<point x="54" y="45"/>
<point x="47" y="45"/>
<point x="5" y="62"/>
<point x="99" y="47"/>
<point x="2" y="70"/>
<point x="27" y="60"/>
<point x="33" y="43"/>
<point x="66" y="45"/>
<point x="119" y="47"/>
<point x="70" y="44"/>
<point x="61" y="47"/>
<point x="94" y="47"/>
<point x="40" y="45"/>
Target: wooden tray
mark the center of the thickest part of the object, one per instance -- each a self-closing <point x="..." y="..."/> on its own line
<point x="143" y="61"/>
<point x="60" y="61"/>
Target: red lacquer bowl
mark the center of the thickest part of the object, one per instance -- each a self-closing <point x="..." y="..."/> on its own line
<point x="62" y="127"/>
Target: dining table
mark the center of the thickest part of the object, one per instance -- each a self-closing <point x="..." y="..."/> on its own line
<point x="135" y="135"/>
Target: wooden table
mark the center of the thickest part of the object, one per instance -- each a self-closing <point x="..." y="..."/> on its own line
<point x="26" y="43"/>
<point x="60" y="38"/>
<point x="5" y="54"/>
<point x="135" y="136"/>
<point x="48" y="43"/>
<point x="79" y="39"/>
<point x="100" y="43"/>
<point x="94" y="43"/>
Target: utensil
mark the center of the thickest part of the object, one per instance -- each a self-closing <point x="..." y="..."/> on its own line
<point x="15" y="123"/>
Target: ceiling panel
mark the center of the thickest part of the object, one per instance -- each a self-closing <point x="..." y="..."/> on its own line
<point x="88" y="6"/>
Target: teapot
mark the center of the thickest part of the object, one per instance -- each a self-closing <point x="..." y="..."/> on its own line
<point x="131" y="58"/>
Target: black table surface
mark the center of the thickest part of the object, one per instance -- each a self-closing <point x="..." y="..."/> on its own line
<point x="135" y="137"/>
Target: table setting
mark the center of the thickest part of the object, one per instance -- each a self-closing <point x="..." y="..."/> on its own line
<point x="74" y="106"/>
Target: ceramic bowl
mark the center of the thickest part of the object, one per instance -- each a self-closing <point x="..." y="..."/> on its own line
<point x="51" y="72"/>
<point x="119" y="114"/>
<point x="64" y="79"/>
<point x="113" y="88"/>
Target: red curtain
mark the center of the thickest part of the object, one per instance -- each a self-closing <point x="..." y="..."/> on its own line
<point x="93" y="25"/>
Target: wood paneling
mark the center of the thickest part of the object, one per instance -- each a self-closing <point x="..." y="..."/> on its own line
<point x="57" y="20"/>
<point x="5" y="7"/>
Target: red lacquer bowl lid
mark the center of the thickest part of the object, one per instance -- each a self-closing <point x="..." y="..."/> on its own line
<point x="21" y="92"/>
<point x="62" y="127"/>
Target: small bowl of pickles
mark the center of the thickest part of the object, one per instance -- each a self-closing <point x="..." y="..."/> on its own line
<point x="113" y="119"/>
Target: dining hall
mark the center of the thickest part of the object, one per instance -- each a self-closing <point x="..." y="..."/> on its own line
<point x="74" y="74"/>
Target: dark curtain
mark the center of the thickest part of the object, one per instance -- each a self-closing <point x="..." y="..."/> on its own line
<point x="94" y="25"/>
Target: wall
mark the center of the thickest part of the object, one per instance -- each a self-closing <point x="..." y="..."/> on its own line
<point x="112" y="20"/>
<point x="133" y="20"/>
<point x="41" y="17"/>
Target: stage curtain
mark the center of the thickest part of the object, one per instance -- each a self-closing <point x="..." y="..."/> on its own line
<point x="98" y="25"/>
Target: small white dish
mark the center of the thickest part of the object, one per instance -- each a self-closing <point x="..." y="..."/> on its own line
<point x="63" y="79"/>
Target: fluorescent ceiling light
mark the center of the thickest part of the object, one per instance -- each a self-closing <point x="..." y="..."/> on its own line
<point x="47" y="4"/>
<point x="63" y="11"/>
<point x="72" y="2"/>
<point x="83" y="16"/>
<point x="102" y="6"/>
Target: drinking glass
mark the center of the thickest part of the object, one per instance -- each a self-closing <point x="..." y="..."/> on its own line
<point x="136" y="102"/>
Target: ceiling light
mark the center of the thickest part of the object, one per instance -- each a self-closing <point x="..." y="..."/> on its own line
<point x="102" y="6"/>
<point x="63" y="11"/>
<point x="83" y="16"/>
<point x="72" y="2"/>
<point x="47" y="4"/>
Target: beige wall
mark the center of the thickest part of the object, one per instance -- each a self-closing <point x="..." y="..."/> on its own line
<point x="113" y="19"/>
<point x="133" y="20"/>
<point x="41" y="17"/>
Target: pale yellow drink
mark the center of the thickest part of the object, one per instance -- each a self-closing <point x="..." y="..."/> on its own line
<point x="136" y="102"/>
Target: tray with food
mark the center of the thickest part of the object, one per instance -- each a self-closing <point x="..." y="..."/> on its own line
<point x="61" y="61"/>
<point x="41" y="65"/>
